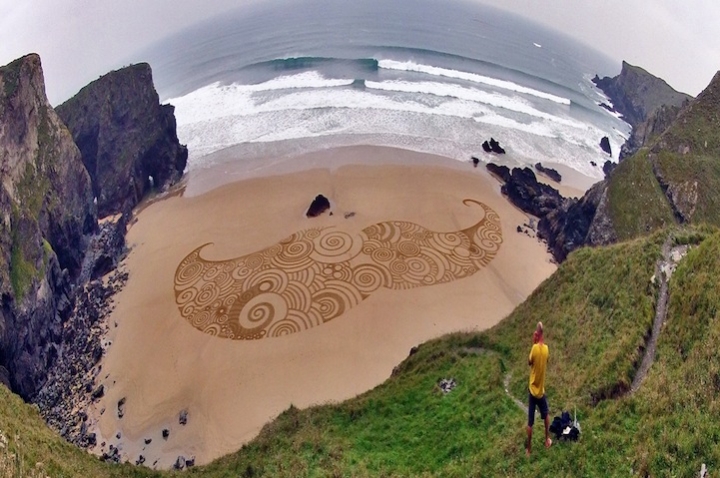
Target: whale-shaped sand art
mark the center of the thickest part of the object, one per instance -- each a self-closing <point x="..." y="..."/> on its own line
<point x="316" y="275"/>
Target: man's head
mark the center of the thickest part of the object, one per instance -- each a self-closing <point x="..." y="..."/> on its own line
<point x="539" y="332"/>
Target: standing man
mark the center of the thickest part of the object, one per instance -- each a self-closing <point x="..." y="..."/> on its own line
<point x="536" y="397"/>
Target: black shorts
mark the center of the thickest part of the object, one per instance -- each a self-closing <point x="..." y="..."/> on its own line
<point x="533" y="402"/>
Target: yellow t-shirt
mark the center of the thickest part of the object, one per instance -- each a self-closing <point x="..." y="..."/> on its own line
<point x="538" y="360"/>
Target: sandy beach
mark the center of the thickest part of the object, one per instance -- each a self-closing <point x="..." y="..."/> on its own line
<point x="161" y="364"/>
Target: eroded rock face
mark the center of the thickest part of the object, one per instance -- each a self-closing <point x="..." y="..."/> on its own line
<point x="644" y="133"/>
<point x="127" y="138"/>
<point x="46" y="209"/>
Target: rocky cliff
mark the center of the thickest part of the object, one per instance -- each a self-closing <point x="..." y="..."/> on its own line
<point x="636" y="94"/>
<point x="674" y="180"/>
<point x="647" y="131"/>
<point x="127" y="138"/>
<point x="46" y="203"/>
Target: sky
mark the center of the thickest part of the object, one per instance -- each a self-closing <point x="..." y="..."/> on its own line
<point x="79" y="40"/>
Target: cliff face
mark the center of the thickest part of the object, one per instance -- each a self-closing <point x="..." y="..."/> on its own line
<point x="46" y="208"/>
<point x="126" y="137"/>
<point x="647" y="131"/>
<point x="636" y="94"/>
<point x="674" y="180"/>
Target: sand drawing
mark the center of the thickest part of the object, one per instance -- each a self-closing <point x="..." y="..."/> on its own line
<point x="315" y="275"/>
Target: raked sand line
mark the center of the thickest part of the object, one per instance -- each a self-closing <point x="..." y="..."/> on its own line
<point x="315" y="275"/>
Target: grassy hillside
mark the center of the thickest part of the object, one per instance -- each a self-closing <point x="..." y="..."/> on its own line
<point x="597" y="308"/>
<point x="637" y="203"/>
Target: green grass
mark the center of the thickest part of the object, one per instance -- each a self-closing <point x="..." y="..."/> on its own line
<point x="698" y="177"/>
<point x="597" y="309"/>
<point x="10" y="74"/>
<point x="638" y="205"/>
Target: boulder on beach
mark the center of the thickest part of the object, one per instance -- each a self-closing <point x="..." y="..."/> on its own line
<point x="319" y="205"/>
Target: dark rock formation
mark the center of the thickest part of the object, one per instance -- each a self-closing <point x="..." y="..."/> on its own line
<point x="319" y="205"/>
<point x="183" y="417"/>
<point x="76" y="369"/>
<point x="564" y="223"/>
<point x="576" y="223"/>
<point x="492" y="147"/>
<point x="605" y="145"/>
<point x="549" y="172"/>
<point x="533" y="197"/>
<point x="475" y="160"/>
<point x="635" y="93"/>
<point x="502" y="172"/>
<point x="127" y="138"/>
<point x="46" y="209"/>
<point x="608" y="166"/>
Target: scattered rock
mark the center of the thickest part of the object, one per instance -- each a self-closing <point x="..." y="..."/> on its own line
<point x="121" y="407"/>
<point x="447" y="384"/>
<point x="319" y="205"/>
<point x="148" y="441"/>
<point x="348" y="215"/>
<point x="179" y="463"/>
<point x="607" y="107"/>
<point x="190" y="462"/>
<point x="140" y="460"/>
<point x="475" y="161"/>
<point x="98" y="393"/>
<point x="593" y="164"/>
<point x="165" y="433"/>
<point x="118" y="435"/>
<point x="183" y="417"/>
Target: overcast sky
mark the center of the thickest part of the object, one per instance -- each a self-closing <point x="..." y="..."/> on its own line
<point x="79" y="40"/>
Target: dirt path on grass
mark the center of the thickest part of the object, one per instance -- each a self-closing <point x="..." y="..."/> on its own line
<point x="660" y="314"/>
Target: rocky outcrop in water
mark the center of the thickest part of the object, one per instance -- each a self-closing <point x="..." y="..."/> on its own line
<point x="46" y="209"/>
<point x="127" y="138"/>
<point x="605" y="145"/>
<point x="492" y="146"/>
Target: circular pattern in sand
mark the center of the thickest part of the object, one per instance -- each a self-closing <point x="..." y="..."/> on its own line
<point x="316" y="275"/>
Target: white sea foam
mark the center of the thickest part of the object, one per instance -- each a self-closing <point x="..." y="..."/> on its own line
<point x="462" y="75"/>
<point x="496" y="100"/>
<point x="218" y="100"/>
<point x="433" y="117"/>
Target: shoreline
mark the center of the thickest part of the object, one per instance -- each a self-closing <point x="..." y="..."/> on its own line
<point x="162" y="366"/>
<point x="202" y="180"/>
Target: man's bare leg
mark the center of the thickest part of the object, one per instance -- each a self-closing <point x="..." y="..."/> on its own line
<point x="528" y="444"/>
<point x="548" y="440"/>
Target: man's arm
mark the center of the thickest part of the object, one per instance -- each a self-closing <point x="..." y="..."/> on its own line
<point x="530" y="358"/>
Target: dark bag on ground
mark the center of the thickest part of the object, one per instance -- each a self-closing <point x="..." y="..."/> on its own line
<point x="564" y="428"/>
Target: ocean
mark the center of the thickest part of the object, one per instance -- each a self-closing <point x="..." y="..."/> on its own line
<point x="441" y="77"/>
